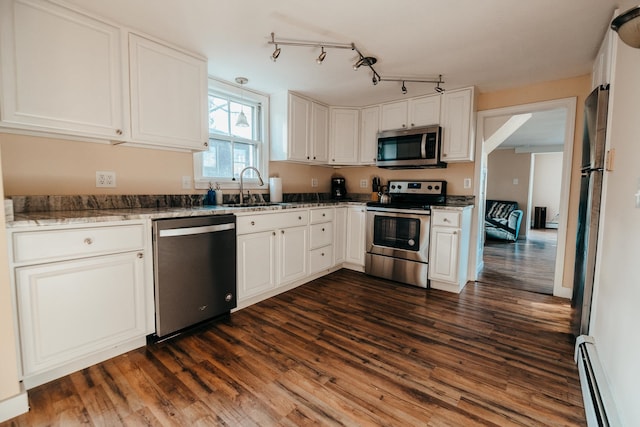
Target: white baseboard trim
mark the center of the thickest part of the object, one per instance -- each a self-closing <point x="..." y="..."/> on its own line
<point x="14" y="406"/>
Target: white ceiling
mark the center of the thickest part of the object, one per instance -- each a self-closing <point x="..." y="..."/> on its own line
<point x="544" y="131"/>
<point x="492" y="44"/>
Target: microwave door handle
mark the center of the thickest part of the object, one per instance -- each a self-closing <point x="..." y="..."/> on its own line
<point x="423" y="146"/>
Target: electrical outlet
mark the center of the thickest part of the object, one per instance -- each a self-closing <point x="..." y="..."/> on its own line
<point x="516" y="181"/>
<point x="314" y="182"/>
<point x="363" y="183"/>
<point x="105" y="179"/>
<point x="186" y="182"/>
<point x="467" y="183"/>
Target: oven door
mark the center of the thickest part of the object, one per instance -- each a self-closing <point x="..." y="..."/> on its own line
<point x="398" y="233"/>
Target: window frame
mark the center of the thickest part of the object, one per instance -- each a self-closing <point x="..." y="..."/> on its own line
<point x="236" y="93"/>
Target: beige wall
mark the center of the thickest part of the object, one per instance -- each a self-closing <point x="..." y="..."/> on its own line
<point x="9" y="385"/>
<point x="46" y="166"/>
<point x="578" y="87"/>
<point x="505" y="166"/>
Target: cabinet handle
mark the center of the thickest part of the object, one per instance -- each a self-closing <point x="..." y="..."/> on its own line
<point x="253" y="223"/>
<point x="119" y="132"/>
<point x="88" y="241"/>
<point x="140" y="255"/>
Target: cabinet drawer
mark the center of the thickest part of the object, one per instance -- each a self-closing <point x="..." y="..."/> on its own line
<point x="262" y="222"/>
<point x="320" y="235"/>
<point x="320" y="259"/>
<point x="76" y="242"/>
<point x="321" y="215"/>
<point x="445" y="218"/>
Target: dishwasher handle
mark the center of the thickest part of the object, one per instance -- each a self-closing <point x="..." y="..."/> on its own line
<point x="188" y="231"/>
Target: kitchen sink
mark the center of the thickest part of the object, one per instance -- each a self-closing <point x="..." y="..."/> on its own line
<point x="250" y="205"/>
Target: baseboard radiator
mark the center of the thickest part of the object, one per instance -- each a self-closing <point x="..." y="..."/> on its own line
<point x="598" y="403"/>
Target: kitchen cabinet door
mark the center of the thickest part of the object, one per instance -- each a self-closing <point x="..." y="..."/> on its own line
<point x="299" y="128"/>
<point x="256" y="263"/>
<point x="71" y="309"/>
<point x="319" y="141"/>
<point x="344" y="140"/>
<point x="61" y="71"/>
<point x="458" y="125"/>
<point x="393" y="115"/>
<point x="355" y="236"/>
<point x="443" y="264"/>
<point x="369" y="126"/>
<point x="293" y="254"/>
<point x="424" y="111"/>
<point x="169" y="105"/>
<point x="340" y="236"/>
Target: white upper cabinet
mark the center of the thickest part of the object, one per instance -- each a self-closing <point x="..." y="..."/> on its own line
<point x="319" y="141"/>
<point x="344" y="136"/>
<point x="394" y="115"/>
<point x="299" y="129"/>
<point x="369" y="126"/>
<point x="424" y="111"/>
<point x="168" y="96"/>
<point x="414" y="112"/>
<point x="66" y="72"/>
<point x="61" y="71"/>
<point x="458" y="125"/>
<point x="602" y="64"/>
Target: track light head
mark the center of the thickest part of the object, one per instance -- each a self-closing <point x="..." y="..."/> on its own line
<point x="275" y="54"/>
<point x="366" y="61"/>
<point x="404" y="89"/>
<point x="374" y="80"/>
<point x="323" y="55"/>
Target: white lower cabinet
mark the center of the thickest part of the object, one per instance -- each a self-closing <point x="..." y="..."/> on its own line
<point x="355" y="238"/>
<point x="340" y="235"/>
<point x="449" y="249"/>
<point x="73" y="308"/>
<point x="321" y="237"/>
<point x="81" y="296"/>
<point x="272" y="251"/>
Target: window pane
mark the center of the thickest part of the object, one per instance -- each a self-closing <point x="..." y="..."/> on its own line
<point x="244" y="155"/>
<point x="217" y="161"/>
<point x="244" y="132"/>
<point x="218" y="115"/>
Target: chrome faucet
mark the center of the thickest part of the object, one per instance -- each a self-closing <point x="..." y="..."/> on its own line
<point x="241" y="200"/>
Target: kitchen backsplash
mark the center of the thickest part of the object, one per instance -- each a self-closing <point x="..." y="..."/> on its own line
<point x="28" y="204"/>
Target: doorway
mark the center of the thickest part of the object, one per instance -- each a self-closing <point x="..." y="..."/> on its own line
<point x="494" y="128"/>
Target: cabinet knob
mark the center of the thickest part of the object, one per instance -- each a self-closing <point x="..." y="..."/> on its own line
<point x="253" y="223"/>
<point x="322" y="254"/>
<point x="140" y="255"/>
<point x="444" y="154"/>
<point x="455" y="232"/>
<point x="282" y="231"/>
<point x="307" y="157"/>
<point x="323" y="229"/>
<point x="119" y="132"/>
<point x="88" y="241"/>
<point x="445" y="220"/>
<point x="206" y="144"/>
<point x="324" y="214"/>
<point x="314" y="157"/>
<point x="273" y="233"/>
<point x="300" y="218"/>
<point x="412" y="125"/>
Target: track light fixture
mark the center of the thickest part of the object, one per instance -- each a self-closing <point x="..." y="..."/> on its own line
<point x="363" y="61"/>
<point x="323" y="55"/>
<point x="277" y="50"/>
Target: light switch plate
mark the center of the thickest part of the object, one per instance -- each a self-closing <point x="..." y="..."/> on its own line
<point x="314" y="182"/>
<point x="467" y="183"/>
<point x="363" y="183"/>
<point x="186" y="182"/>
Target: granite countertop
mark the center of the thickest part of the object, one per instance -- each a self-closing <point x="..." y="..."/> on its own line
<point x="88" y="216"/>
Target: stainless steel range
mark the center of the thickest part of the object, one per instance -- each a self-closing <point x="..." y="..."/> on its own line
<point x="397" y="239"/>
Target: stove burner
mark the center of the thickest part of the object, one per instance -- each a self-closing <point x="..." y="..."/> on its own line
<point x="416" y="195"/>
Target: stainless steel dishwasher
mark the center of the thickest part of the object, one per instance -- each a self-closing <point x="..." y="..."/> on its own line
<point x="194" y="271"/>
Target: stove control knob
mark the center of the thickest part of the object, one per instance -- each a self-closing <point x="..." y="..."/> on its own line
<point x="437" y="187"/>
<point x="411" y="242"/>
<point x="399" y="186"/>
<point x="430" y="187"/>
<point x="393" y="187"/>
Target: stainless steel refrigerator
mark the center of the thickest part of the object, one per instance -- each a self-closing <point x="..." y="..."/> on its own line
<point x="593" y="158"/>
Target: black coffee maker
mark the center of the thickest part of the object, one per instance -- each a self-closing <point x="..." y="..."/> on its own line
<point x="338" y="188"/>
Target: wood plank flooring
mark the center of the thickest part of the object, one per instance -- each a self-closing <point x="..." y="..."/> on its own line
<point x="525" y="264"/>
<point x="346" y="349"/>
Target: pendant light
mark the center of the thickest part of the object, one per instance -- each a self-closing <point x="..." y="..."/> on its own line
<point x="242" y="118"/>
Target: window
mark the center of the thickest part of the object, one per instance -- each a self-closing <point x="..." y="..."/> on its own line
<point x="231" y="147"/>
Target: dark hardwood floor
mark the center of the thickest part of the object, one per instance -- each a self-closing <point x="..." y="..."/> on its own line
<point x="527" y="264"/>
<point x="346" y="349"/>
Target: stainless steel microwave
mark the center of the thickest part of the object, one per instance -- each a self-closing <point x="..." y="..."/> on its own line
<point x="417" y="147"/>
